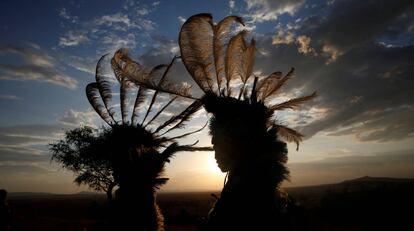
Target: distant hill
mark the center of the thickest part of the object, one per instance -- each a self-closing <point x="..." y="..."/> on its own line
<point x="313" y="189"/>
<point x="29" y="194"/>
<point x="350" y="183"/>
<point x="49" y="195"/>
<point x="379" y="179"/>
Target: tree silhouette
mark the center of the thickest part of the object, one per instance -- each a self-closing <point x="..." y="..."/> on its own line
<point x="82" y="151"/>
<point x="135" y="152"/>
<point x="245" y="131"/>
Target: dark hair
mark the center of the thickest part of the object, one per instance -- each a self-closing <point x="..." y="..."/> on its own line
<point x="248" y="123"/>
<point x="242" y="117"/>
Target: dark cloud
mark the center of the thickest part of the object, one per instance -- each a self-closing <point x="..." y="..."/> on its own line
<point x="360" y="75"/>
<point x="350" y="23"/>
<point x="366" y="86"/>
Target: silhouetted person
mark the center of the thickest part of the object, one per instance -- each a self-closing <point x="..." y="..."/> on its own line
<point x="244" y="131"/>
<point x="5" y="214"/>
<point x="254" y="160"/>
<point x="133" y="149"/>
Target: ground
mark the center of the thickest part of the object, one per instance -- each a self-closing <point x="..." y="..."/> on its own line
<point x="361" y="204"/>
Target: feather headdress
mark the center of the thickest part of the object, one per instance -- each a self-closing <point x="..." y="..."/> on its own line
<point x="221" y="63"/>
<point x="144" y="159"/>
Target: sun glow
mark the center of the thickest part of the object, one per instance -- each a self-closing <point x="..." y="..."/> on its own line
<point x="212" y="165"/>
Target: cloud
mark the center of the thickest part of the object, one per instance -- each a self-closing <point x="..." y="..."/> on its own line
<point x="84" y="64"/>
<point x="365" y="90"/>
<point x="12" y="139"/>
<point x="128" y="27"/>
<point x="76" y="118"/>
<point x="181" y="20"/>
<point x="232" y="4"/>
<point x="331" y="52"/>
<point x="383" y="127"/>
<point x="21" y="155"/>
<point x="119" y="26"/>
<point x="37" y="66"/>
<point x="303" y="42"/>
<point x="65" y="14"/>
<point x="72" y="38"/>
<point x="287" y="37"/>
<point x="29" y="138"/>
<point x="28" y="144"/>
<point x="283" y="37"/>
<point x="32" y="57"/>
<point x="118" y="21"/>
<point x="21" y="169"/>
<point x="373" y="19"/>
<point x="36" y="73"/>
<point x="377" y="108"/>
<point x="33" y="129"/>
<point x="9" y="97"/>
<point x="269" y="10"/>
<point x="115" y="41"/>
<point x="391" y="164"/>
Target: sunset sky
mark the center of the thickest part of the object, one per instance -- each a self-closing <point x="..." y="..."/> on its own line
<point x="358" y="55"/>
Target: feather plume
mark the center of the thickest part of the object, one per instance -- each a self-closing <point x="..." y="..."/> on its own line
<point x="161" y="110"/>
<point x="184" y="90"/>
<point x="155" y="71"/>
<point x="248" y="61"/>
<point x="182" y="117"/>
<point x="196" y="46"/>
<point x="141" y="94"/>
<point x="247" y="64"/>
<point x="293" y="103"/>
<point x="174" y="147"/>
<point x="137" y="74"/>
<point x="104" y="85"/>
<point x="160" y="83"/>
<point x="190" y="110"/>
<point x="234" y="58"/>
<point x="126" y="67"/>
<point x="92" y="93"/>
<point x="124" y="90"/>
<point x="270" y="85"/>
<point x="289" y="134"/>
<point x="117" y="70"/>
<point x="221" y="32"/>
<point x="189" y="133"/>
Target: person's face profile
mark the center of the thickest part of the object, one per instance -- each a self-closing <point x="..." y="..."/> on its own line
<point x="223" y="149"/>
